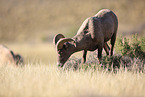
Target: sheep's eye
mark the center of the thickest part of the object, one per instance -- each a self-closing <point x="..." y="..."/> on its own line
<point x="64" y="46"/>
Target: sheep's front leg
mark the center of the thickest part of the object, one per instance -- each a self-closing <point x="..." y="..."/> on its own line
<point x="84" y="56"/>
<point x="100" y="48"/>
<point x="99" y="53"/>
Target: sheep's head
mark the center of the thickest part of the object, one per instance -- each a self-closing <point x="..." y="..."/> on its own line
<point x="19" y="59"/>
<point x="64" y="47"/>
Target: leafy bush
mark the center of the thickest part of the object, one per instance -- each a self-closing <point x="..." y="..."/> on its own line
<point x="133" y="48"/>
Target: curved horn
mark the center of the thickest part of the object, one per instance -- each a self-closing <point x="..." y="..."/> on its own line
<point x="57" y="38"/>
<point x="62" y="41"/>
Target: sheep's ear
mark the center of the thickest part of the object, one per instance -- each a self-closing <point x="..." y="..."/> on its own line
<point x="57" y="38"/>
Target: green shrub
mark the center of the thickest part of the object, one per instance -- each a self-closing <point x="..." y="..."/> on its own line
<point x="132" y="48"/>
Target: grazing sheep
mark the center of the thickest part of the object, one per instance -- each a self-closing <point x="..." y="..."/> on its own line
<point x="8" y="57"/>
<point x="93" y="34"/>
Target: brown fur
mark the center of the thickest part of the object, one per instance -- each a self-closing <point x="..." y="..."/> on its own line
<point x="93" y="34"/>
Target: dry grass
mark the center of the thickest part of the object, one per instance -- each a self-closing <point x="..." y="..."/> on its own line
<point x="41" y="80"/>
<point x="41" y="77"/>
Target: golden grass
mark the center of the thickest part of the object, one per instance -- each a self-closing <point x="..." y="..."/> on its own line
<point x="40" y="77"/>
<point x="41" y="80"/>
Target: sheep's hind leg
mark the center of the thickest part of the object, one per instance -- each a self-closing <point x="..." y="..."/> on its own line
<point x="84" y="56"/>
<point x="106" y="48"/>
<point x="112" y="43"/>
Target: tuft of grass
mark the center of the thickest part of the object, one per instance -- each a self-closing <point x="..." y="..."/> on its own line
<point x="109" y="64"/>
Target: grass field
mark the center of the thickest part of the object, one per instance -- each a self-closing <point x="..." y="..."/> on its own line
<point x="41" y="77"/>
<point x="41" y="81"/>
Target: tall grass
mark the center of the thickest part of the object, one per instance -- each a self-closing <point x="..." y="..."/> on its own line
<point x="42" y="80"/>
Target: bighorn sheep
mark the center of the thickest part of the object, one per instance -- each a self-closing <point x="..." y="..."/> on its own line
<point x="93" y="34"/>
<point x="8" y="57"/>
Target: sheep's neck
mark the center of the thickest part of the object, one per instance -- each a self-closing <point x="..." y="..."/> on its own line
<point x="78" y="45"/>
